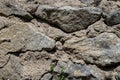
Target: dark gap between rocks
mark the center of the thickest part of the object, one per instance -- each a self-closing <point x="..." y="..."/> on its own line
<point x="25" y="19"/>
<point x="107" y="67"/>
<point x="3" y="28"/>
<point x="17" y="53"/>
<point x="52" y="51"/>
<point x="43" y="75"/>
<point x="5" y="41"/>
<point x="1" y="14"/>
<point x="110" y="67"/>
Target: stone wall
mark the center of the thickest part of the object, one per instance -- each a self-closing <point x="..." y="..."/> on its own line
<point x="59" y="40"/>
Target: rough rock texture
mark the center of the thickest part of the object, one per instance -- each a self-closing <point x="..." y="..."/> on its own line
<point x="69" y="18"/>
<point x="11" y="8"/>
<point x="23" y="37"/>
<point x="59" y="40"/>
<point x="113" y="18"/>
<point x="102" y="50"/>
<point x="79" y="71"/>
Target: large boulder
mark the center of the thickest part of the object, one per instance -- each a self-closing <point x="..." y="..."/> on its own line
<point x="102" y="50"/>
<point x="22" y="37"/>
<point x="25" y="37"/>
<point x="69" y="19"/>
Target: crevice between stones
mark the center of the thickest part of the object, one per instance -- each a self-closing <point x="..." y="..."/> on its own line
<point x="107" y="67"/>
<point x="44" y="74"/>
<point x="5" y="40"/>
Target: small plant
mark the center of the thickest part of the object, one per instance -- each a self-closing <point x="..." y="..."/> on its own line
<point x="62" y="75"/>
<point x="51" y="68"/>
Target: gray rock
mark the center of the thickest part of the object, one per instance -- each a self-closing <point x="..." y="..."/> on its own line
<point x="39" y="42"/>
<point x="102" y="50"/>
<point x="8" y="9"/>
<point x="109" y="5"/>
<point x="117" y="70"/>
<point x="51" y="32"/>
<point x="47" y="77"/>
<point x="90" y="2"/>
<point x="56" y="3"/>
<point x="118" y="76"/>
<point x="113" y="18"/>
<point x="87" y="1"/>
<point x="35" y="65"/>
<point x="3" y="59"/>
<point x="68" y="18"/>
<point x="2" y="23"/>
<point x="19" y="38"/>
<point x="12" y="70"/>
<point x="79" y="71"/>
<point x="114" y="29"/>
<point x="96" y="29"/>
<point x="24" y="37"/>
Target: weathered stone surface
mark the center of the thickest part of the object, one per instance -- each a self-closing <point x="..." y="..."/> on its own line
<point x="102" y="50"/>
<point x="113" y="18"/>
<point x="67" y="33"/>
<point x="47" y="77"/>
<point x="22" y="37"/>
<point x="79" y="71"/>
<point x="117" y="70"/>
<point x="51" y="32"/>
<point x="12" y="70"/>
<point x="109" y="5"/>
<point x="118" y="76"/>
<point x="17" y="38"/>
<point x="3" y="59"/>
<point x="2" y="23"/>
<point x="96" y="29"/>
<point x="34" y="65"/>
<point x="114" y="29"/>
<point x="69" y="18"/>
<point x="12" y="8"/>
<point x="91" y="2"/>
<point x="25" y="37"/>
<point x="57" y="3"/>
